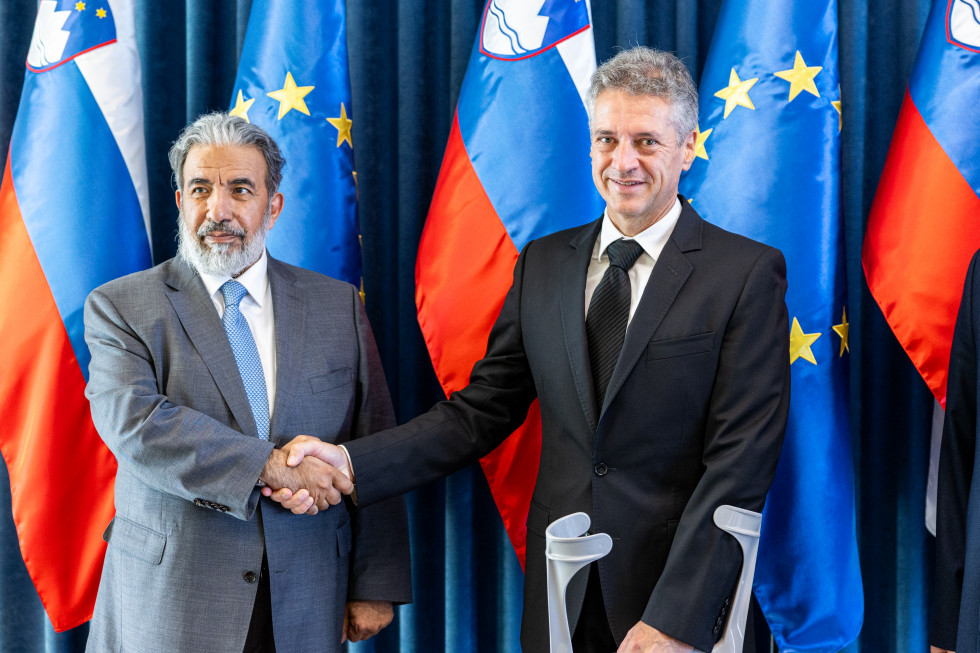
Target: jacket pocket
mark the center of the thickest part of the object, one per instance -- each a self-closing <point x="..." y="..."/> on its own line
<point x="696" y="344"/>
<point x="135" y="540"/>
<point x="330" y="380"/>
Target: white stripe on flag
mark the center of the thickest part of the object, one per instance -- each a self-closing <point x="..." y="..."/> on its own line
<point x="113" y="75"/>
<point x="578" y="53"/>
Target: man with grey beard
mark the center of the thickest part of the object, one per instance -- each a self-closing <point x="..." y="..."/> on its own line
<point x="202" y="367"/>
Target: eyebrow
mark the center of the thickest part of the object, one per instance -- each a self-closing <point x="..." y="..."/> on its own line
<point x="238" y="181"/>
<point x="610" y="132"/>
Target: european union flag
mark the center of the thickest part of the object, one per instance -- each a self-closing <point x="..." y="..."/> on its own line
<point x="293" y="81"/>
<point x="768" y="166"/>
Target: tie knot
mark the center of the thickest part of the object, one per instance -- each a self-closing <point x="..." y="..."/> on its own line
<point x="623" y="253"/>
<point x="233" y="292"/>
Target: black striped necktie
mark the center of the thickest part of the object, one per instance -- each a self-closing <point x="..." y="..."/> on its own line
<point x="609" y="313"/>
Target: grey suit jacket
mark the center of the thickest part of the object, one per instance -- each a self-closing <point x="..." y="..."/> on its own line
<point x="693" y="418"/>
<point x="190" y="526"/>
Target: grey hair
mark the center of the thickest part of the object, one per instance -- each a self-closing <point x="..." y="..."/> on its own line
<point x="223" y="129"/>
<point x="645" y="71"/>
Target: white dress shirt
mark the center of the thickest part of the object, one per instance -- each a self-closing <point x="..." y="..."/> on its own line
<point x="652" y="240"/>
<point x="256" y="307"/>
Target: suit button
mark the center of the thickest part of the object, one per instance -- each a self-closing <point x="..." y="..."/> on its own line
<point x="249" y="576"/>
<point x="600" y="469"/>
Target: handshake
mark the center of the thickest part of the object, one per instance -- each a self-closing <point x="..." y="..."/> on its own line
<point x="307" y="475"/>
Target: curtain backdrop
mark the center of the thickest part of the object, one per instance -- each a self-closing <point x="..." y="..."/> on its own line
<point x="407" y="62"/>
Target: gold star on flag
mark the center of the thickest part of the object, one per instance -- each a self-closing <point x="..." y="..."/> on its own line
<point x="800" y="77"/>
<point x="342" y="123"/>
<point x="241" y="107"/>
<point x="360" y="243"/>
<point x="291" y="96"/>
<point x="840" y="116"/>
<point x="80" y="6"/>
<point x="736" y="93"/>
<point x="842" y="330"/>
<point x="799" y="343"/>
<point x="100" y="12"/>
<point x="699" y="139"/>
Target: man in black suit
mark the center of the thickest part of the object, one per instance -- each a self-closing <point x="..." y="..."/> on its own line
<point x="956" y="604"/>
<point x="648" y="431"/>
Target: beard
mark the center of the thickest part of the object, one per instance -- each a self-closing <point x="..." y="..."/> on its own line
<point x="221" y="259"/>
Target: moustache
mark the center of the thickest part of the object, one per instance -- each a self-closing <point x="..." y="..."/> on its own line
<point x="211" y="227"/>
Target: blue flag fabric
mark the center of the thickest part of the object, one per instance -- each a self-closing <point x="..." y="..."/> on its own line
<point x="73" y="215"/>
<point x="768" y="167"/>
<point x="293" y="81"/>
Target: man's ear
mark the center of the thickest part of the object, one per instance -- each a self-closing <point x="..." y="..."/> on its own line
<point x="275" y="208"/>
<point x="689" y="150"/>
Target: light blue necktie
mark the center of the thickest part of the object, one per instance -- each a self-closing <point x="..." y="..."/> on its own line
<point x="246" y="355"/>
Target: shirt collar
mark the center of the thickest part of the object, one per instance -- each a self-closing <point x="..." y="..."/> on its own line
<point x="255" y="279"/>
<point x="652" y="239"/>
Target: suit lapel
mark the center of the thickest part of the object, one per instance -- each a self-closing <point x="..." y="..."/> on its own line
<point x="669" y="275"/>
<point x="574" y="269"/>
<point x="200" y="320"/>
<point x="290" y="320"/>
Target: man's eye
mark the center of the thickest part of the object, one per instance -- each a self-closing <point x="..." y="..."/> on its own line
<point x="647" y="142"/>
<point x="241" y="190"/>
<point x="199" y="190"/>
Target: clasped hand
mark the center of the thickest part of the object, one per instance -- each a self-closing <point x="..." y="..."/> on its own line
<point x="307" y="475"/>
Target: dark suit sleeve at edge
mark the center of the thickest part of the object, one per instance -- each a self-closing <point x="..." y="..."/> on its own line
<point x="459" y="431"/>
<point x="381" y="568"/>
<point x="743" y="437"/>
<point x="956" y="462"/>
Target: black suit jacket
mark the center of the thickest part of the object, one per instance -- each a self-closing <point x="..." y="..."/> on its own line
<point x="956" y="604"/>
<point x="694" y="417"/>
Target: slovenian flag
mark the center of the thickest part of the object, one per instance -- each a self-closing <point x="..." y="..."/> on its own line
<point x="516" y="167"/>
<point x="924" y="224"/>
<point x="767" y="165"/>
<point x="294" y="83"/>
<point x="73" y="215"/>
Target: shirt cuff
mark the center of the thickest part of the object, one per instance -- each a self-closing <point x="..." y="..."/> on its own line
<point x="350" y="466"/>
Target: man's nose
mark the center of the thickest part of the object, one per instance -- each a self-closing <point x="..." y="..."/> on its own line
<point x="219" y="206"/>
<point x="624" y="156"/>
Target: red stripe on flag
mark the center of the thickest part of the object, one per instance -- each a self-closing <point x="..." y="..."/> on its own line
<point x="922" y="232"/>
<point x="464" y="268"/>
<point x="61" y="473"/>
